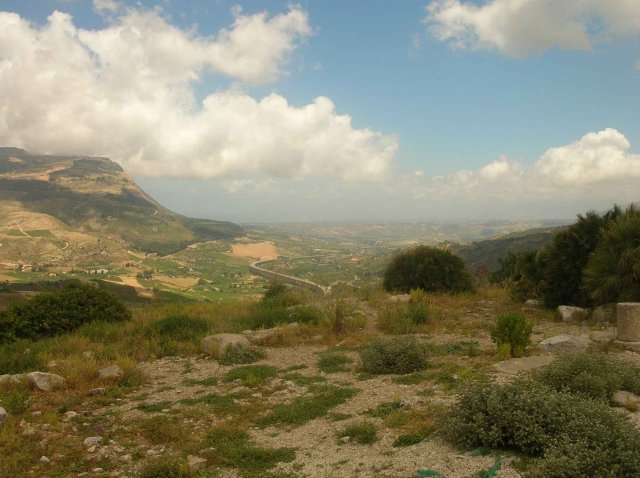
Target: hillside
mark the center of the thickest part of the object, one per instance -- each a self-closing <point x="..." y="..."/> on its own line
<point x="488" y="252"/>
<point x="89" y="205"/>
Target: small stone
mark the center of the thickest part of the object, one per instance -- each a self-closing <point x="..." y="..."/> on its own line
<point x="88" y="355"/>
<point x="98" y="470"/>
<point x="37" y="413"/>
<point x="126" y="458"/>
<point x="111" y="372"/>
<point x="92" y="441"/>
<point x="152" y="452"/>
<point x="83" y="474"/>
<point x="70" y="415"/>
<point x="217" y="345"/>
<point x="44" y="459"/>
<point x="195" y="462"/>
<point x="166" y="410"/>
<point x="92" y="449"/>
<point x="4" y="416"/>
<point x="45" y="381"/>
<point x="346" y="439"/>
<point x="602" y="336"/>
<point x="518" y="365"/>
<point x="97" y="391"/>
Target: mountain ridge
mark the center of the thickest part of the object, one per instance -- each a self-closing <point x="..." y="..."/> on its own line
<point x="93" y="200"/>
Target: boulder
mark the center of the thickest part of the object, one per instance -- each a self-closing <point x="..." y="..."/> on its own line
<point x="603" y="337"/>
<point x="195" y="462"/>
<point x="564" y="343"/>
<point x="568" y="313"/>
<point x="68" y="416"/>
<point x="625" y="399"/>
<point x="45" y="381"/>
<point x="217" y="345"/>
<point x="534" y="303"/>
<point x="265" y="336"/>
<point x="628" y="320"/>
<point x="604" y="313"/>
<point x="111" y="372"/>
<point x="92" y="441"/>
<point x="400" y="298"/>
<point x="515" y="366"/>
<point x="4" y="416"/>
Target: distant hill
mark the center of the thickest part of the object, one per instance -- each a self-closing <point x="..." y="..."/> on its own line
<point x="91" y="203"/>
<point x="488" y="252"/>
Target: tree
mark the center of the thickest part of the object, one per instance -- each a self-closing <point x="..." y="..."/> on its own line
<point x="429" y="269"/>
<point x="612" y="273"/>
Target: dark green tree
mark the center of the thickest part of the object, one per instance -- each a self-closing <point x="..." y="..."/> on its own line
<point x="612" y="273"/>
<point x="564" y="260"/>
<point x="427" y="268"/>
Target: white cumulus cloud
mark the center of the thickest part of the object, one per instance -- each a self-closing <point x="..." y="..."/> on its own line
<point x="127" y="91"/>
<point x="597" y="165"/>
<point x="596" y="157"/>
<point x="520" y="28"/>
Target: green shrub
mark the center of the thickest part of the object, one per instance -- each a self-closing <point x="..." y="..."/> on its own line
<point x="179" y="328"/>
<point x="251" y="375"/>
<point x="511" y="334"/>
<point x="612" y="273"/>
<point x="166" y="468"/>
<point x="232" y="447"/>
<point x="332" y="363"/>
<point x="590" y="375"/>
<point x="525" y="281"/>
<point x="397" y="355"/>
<point x="429" y="269"/>
<point x="55" y="313"/>
<point x="574" y="437"/>
<point x="362" y="433"/>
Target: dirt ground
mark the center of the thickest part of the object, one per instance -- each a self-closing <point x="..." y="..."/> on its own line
<point x="261" y="250"/>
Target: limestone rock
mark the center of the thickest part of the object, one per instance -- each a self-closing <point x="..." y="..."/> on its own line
<point x="569" y="313"/>
<point x="533" y="303"/>
<point x="626" y="399"/>
<point x="217" y="345"/>
<point x="515" y="366"/>
<point x="603" y="336"/>
<point x="564" y="343"/>
<point x="195" y="462"/>
<point x="92" y="441"/>
<point x="605" y="313"/>
<point x="68" y="416"/>
<point x="265" y="336"/>
<point x="97" y="391"/>
<point x="45" y="381"/>
<point x="628" y="319"/>
<point x="400" y="298"/>
<point x="4" y="416"/>
<point x="44" y="459"/>
<point x="111" y="372"/>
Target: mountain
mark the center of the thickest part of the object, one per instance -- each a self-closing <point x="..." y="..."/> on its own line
<point x="89" y="205"/>
<point x="488" y="252"/>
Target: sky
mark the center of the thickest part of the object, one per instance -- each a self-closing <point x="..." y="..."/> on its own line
<point x="333" y="110"/>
